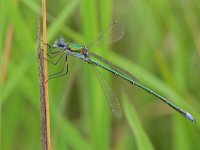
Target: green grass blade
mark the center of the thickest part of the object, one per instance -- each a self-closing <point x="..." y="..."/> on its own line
<point x="142" y="140"/>
<point x="61" y="19"/>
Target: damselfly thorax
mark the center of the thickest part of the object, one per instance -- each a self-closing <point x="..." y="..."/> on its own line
<point x="78" y="48"/>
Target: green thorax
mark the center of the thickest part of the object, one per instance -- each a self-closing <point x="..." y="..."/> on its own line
<point x="75" y="47"/>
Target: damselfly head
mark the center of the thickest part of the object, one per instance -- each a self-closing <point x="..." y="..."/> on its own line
<point x="60" y="43"/>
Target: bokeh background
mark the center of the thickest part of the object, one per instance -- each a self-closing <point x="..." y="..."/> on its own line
<point x="161" y="48"/>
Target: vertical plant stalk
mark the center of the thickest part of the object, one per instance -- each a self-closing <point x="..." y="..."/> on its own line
<point x="46" y="75"/>
<point x="42" y="93"/>
<point x="44" y="104"/>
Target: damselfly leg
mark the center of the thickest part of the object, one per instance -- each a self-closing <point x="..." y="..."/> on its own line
<point x="51" y="58"/>
<point x="61" y="73"/>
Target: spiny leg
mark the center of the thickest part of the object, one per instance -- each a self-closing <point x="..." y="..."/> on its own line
<point x="52" y="58"/>
<point x="48" y="55"/>
<point x="55" y="63"/>
<point x="58" y="74"/>
<point x="50" y="47"/>
<point x="52" y="54"/>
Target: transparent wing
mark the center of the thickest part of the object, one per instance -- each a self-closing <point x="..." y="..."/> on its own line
<point x="111" y="98"/>
<point x="113" y="66"/>
<point x="113" y="33"/>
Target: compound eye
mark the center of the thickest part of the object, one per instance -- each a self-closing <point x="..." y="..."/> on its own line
<point x="61" y="44"/>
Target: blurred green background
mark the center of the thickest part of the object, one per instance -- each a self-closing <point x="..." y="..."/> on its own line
<point x="161" y="48"/>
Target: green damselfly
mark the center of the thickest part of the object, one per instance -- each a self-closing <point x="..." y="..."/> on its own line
<point x="113" y="33"/>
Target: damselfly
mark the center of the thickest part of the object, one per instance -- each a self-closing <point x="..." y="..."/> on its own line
<point x="113" y="33"/>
